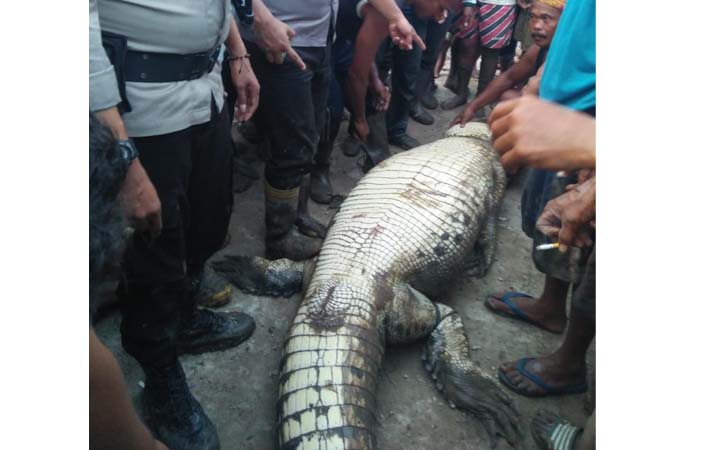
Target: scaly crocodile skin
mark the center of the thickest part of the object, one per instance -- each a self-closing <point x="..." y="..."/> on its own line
<point x="410" y="221"/>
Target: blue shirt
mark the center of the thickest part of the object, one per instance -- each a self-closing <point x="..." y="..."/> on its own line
<point x="569" y="76"/>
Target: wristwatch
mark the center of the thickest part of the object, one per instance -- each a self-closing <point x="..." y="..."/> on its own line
<point x="129" y="151"/>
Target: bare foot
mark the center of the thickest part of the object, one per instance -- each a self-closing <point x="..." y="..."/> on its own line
<point x="545" y="376"/>
<point x="535" y="311"/>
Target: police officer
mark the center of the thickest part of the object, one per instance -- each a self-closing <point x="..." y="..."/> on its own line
<point x="164" y="90"/>
<point x="292" y="117"/>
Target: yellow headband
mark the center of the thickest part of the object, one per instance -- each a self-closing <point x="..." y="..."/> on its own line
<point x="553" y="3"/>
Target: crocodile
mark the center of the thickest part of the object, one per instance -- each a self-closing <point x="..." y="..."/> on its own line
<point x="414" y="221"/>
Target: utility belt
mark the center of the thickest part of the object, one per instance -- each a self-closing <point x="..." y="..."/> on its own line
<point x="149" y="67"/>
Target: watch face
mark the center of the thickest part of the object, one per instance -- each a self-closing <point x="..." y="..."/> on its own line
<point x="128" y="151"/>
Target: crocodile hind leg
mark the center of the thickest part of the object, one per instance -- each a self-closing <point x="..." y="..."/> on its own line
<point x="411" y="316"/>
<point x="464" y="385"/>
<point x="259" y="276"/>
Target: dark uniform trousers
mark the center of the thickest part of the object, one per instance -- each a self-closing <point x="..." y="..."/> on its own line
<point x="191" y="170"/>
<point x="292" y="111"/>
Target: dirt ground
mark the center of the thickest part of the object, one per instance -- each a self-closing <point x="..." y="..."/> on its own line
<point x="238" y="387"/>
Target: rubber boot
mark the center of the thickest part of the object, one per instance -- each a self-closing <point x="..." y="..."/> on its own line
<point x="173" y="414"/>
<point x="305" y="223"/>
<point x="462" y="92"/>
<point x="321" y="190"/>
<point x="420" y="114"/>
<point x="451" y="82"/>
<point x="377" y="147"/>
<point x="428" y="99"/>
<point x="425" y="90"/>
<point x="452" y="77"/>
<point x="282" y="237"/>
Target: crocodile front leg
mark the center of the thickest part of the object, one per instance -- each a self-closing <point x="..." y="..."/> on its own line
<point x="413" y="316"/>
<point x="259" y="276"/>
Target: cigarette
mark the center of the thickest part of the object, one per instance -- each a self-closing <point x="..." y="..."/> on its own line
<point x="547" y="246"/>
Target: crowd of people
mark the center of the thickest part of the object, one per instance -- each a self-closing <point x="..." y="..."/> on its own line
<point x="167" y="83"/>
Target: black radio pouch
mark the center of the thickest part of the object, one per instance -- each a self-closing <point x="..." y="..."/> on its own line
<point x="115" y="46"/>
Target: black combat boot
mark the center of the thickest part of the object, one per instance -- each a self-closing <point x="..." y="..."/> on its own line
<point x="282" y="237"/>
<point x="461" y="92"/>
<point x="173" y="414"/>
<point x="321" y="190"/>
<point x="207" y="331"/>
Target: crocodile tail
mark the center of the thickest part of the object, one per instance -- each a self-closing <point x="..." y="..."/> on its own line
<point x="464" y="385"/>
<point x="328" y="376"/>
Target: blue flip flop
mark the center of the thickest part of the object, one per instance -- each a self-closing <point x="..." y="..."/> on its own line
<point x="516" y="312"/>
<point x="549" y="391"/>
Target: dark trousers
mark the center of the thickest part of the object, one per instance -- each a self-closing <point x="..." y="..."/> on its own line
<point x="435" y="34"/>
<point x="292" y="111"/>
<point x="342" y="55"/>
<point x="191" y="170"/>
<point x="405" y="71"/>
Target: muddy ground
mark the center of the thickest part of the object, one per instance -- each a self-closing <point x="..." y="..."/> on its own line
<point x="238" y="387"/>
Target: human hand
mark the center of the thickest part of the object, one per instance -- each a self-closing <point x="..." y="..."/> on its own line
<point x="140" y="200"/>
<point x="158" y="445"/>
<point x="403" y="34"/>
<point x="525" y="4"/>
<point x="246" y="86"/>
<point x="465" y="116"/>
<point x="569" y="218"/>
<point x="533" y="84"/>
<point x="274" y="37"/>
<point x="361" y="129"/>
<point x="532" y="132"/>
<point x="382" y="96"/>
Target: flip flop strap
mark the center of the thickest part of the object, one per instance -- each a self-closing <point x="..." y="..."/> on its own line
<point x="521" y="367"/>
<point x="509" y="295"/>
<point x="563" y="436"/>
<point x="506" y="298"/>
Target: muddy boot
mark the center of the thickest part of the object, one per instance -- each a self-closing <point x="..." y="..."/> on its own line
<point x="420" y="114"/>
<point x="321" y="190"/>
<point x="428" y="99"/>
<point x="452" y="80"/>
<point x="351" y="146"/>
<point x="282" y="238"/>
<point x="305" y="223"/>
<point x="462" y="92"/>
<point x="173" y="414"/>
<point x="377" y="148"/>
<point x="425" y="92"/>
<point x="452" y="77"/>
